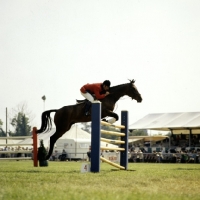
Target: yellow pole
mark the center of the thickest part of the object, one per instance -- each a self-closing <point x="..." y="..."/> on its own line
<point x="112" y="148"/>
<point x="111" y="163"/>
<point x="112" y="133"/>
<point x="116" y="126"/>
<point x="113" y="141"/>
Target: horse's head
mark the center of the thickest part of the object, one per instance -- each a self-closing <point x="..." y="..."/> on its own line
<point x="133" y="91"/>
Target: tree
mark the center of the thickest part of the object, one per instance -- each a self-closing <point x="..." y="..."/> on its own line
<point x="22" y="108"/>
<point x="139" y="132"/>
<point x="21" y="120"/>
<point x="20" y="123"/>
<point x="2" y="132"/>
<point x="86" y="126"/>
<point x="112" y="129"/>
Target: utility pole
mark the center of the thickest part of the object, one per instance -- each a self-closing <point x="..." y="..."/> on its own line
<point x="6" y="126"/>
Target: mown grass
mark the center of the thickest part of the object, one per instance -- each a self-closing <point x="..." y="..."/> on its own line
<point x="63" y="180"/>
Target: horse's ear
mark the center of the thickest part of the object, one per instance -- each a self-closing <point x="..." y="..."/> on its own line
<point x="132" y="81"/>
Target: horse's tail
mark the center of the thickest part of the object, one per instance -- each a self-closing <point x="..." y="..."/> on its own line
<point x="46" y="121"/>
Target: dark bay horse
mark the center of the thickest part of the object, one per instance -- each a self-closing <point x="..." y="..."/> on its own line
<point x="66" y="116"/>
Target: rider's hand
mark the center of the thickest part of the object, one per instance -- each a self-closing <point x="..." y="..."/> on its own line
<point x="107" y="93"/>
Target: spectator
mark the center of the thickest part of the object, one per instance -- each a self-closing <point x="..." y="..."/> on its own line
<point x="89" y="153"/>
<point x="141" y="156"/>
<point x="63" y="157"/>
<point x="54" y="156"/>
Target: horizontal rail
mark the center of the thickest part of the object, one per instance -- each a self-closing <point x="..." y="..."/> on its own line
<point x="113" y="125"/>
<point x="112" y="148"/>
<point x="17" y="158"/>
<point x="16" y="137"/>
<point x="14" y="152"/>
<point x="112" y="133"/>
<point x="16" y="145"/>
<point x="113" y="141"/>
<point x="111" y="163"/>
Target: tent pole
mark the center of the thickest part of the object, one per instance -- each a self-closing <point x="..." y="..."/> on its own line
<point x="190" y="135"/>
<point x="170" y="138"/>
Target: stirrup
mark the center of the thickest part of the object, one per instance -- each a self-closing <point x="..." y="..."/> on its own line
<point x="87" y="113"/>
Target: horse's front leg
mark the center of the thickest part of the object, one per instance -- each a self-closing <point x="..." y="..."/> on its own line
<point x="114" y="116"/>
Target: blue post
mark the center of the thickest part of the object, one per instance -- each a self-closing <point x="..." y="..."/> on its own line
<point x="124" y="154"/>
<point x="95" y="137"/>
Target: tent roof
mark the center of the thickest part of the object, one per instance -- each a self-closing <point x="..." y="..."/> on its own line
<point x="45" y="136"/>
<point x="177" y="122"/>
<point x="76" y="132"/>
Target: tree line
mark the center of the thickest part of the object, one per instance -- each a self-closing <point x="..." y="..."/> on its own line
<point x="20" y="123"/>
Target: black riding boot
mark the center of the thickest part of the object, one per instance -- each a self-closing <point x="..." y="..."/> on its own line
<point x="87" y="108"/>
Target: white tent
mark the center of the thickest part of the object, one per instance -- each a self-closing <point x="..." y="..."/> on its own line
<point x="45" y="136"/>
<point x="75" y="133"/>
<point x="185" y="123"/>
<point x="78" y="134"/>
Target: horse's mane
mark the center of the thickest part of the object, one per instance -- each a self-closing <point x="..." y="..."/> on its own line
<point x="117" y="87"/>
<point x="120" y="90"/>
<point x="116" y="92"/>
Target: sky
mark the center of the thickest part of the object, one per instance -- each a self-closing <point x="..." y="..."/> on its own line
<point x="53" y="47"/>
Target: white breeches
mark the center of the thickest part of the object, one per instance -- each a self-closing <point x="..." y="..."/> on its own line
<point x="88" y="96"/>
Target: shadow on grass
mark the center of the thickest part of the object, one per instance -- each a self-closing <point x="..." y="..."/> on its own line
<point x="46" y="170"/>
<point x="122" y="170"/>
<point x="187" y="169"/>
<point x="38" y="171"/>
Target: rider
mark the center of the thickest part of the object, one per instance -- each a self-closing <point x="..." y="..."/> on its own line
<point x="95" y="91"/>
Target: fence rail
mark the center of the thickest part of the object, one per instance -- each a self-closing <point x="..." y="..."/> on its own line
<point x="16" y="137"/>
<point x="21" y="152"/>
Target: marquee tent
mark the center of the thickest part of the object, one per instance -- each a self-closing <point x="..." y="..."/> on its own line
<point x="74" y="133"/>
<point x="177" y="123"/>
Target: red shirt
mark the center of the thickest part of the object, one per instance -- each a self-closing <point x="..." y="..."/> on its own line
<point x="94" y="88"/>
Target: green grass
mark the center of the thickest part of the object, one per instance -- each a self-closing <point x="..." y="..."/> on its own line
<point x="63" y="180"/>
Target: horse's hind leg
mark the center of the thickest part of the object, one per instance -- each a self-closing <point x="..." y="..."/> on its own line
<point x="53" y="140"/>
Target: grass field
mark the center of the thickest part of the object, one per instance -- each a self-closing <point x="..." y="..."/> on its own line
<point x="63" y="180"/>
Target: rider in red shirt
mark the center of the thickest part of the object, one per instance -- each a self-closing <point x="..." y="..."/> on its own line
<point x="95" y="91"/>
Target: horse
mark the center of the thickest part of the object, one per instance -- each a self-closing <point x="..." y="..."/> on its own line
<point x="66" y="116"/>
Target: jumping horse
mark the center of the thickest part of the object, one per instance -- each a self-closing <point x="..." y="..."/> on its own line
<point x="66" y="116"/>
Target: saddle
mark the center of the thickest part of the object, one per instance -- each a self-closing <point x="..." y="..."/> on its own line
<point x="81" y="101"/>
<point x="87" y="105"/>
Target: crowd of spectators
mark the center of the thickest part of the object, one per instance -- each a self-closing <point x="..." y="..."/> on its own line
<point x="183" y="140"/>
<point x="179" y="149"/>
<point x="18" y="151"/>
<point x="165" y="156"/>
